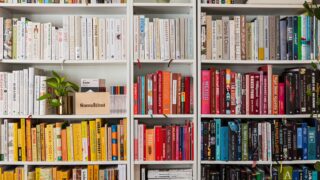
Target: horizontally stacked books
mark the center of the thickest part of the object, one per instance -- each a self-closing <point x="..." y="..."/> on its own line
<point x="89" y="172"/>
<point x="224" y="91"/>
<point x="86" y="141"/>
<point x="163" y="92"/>
<point x="80" y="38"/>
<point x="162" y="39"/>
<point x="223" y="1"/>
<point x="160" y="143"/>
<point x="158" y="174"/>
<point x="259" y="38"/>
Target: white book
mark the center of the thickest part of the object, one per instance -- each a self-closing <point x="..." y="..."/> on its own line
<point x="72" y="37"/>
<point x="182" y="38"/>
<point x="162" y="39"/>
<point x="146" y="39"/>
<point x="47" y="41"/>
<point x="151" y="40"/>
<point x="36" y="42"/>
<point x="84" y="43"/>
<point x="166" y="39"/>
<point x="5" y="94"/>
<point x="16" y="93"/>
<point x="84" y="148"/>
<point x="123" y="38"/>
<point x="3" y="145"/>
<point x="256" y="40"/>
<point x="186" y="33"/>
<point x="172" y="38"/>
<point x="42" y="91"/>
<point x="113" y="38"/>
<point x="118" y="35"/>
<point x="238" y="93"/>
<point x="89" y="38"/>
<point x="261" y="33"/>
<point x="23" y="37"/>
<point x="141" y="142"/>
<point x="108" y="39"/>
<point x="142" y="34"/>
<point x="136" y="33"/>
<point x="10" y="142"/>
<point x="18" y="41"/>
<point x="10" y="93"/>
<point x="66" y="49"/>
<point x="31" y="90"/>
<point x="190" y="39"/>
<point x="237" y="38"/>
<point x="5" y="142"/>
<point x="2" y="86"/>
<point x="29" y="39"/>
<point x="60" y="44"/>
<point x="71" y="140"/>
<point x="41" y="41"/>
<point x="102" y="39"/>
<point x="36" y="95"/>
<point x="84" y="174"/>
<point x="219" y="39"/>
<point x="177" y="35"/>
<point x="53" y="42"/>
<point x="77" y="37"/>
<point x="25" y="92"/>
<point x="1" y="37"/>
<point x="21" y="92"/>
<point x="157" y="48"/>
<point x="95" y="38"/>
<point x="232" y="40"/>
<point x="266" y="37"/>
<point x="214" y="40"/>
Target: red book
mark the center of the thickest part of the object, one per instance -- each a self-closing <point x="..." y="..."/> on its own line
<point x="275" y="95"/>
<point x="192" y="141"/>
<point x="265" y="95"/>
<point x="187" y="95"/>
<point x="217" y="95"/>
<point x="281" y="98"/>
<point x="173" y="142"/>
<point x="212" y="90"/>
<point x="139" y="94"/>
<point x="135" y="98"/>
<point x="267" y="70"/>
<point x="179" y="95"/>
<point x="155" y="93"/>
<point x="168" y="143"/>
<point x="252" y="96"/>
<point x="233" y="93"/>
<point x="163" y="140"/>
<point x="222" y="92"/>
<point x="261" y="93"/>
<point x="191" y="96"/>
<point x="174" y="92"/>
<point x="158" y="142"/>
<point x="149" y="95"/>
<point x="185" y="142"/>
<point x="159" y="74"/>
<point x="257" y="94"/>
<point x="177" y="143"/>
<point x="205" y="92"/>
<point x="144" y="144"/>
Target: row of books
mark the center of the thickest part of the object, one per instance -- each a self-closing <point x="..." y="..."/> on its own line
<point x="80" y="38"/>
<point x="170" y="142"/>
<point x="221" y="172"/>
<point x="118" y="100"/>
<point x="20" y="90"/>
<point x="276" y="140"/>
<point x="12" y="173"/>
<point x="86" y="141"/>
<point x="295" y="172"/>
<point x="223" y="1"/>
<point x="162" y="39"/>
<point x="259" y="38"/>
<point x="89" y="172"/>
<point x="163" y="92"/>
<point x="161" y="174"/>
<point x="63" y="1"/>
<point x="295" y="91"/>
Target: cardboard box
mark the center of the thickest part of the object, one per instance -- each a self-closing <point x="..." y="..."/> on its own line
<point x="92" y="103"/>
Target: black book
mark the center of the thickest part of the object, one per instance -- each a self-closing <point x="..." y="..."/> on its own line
<point x="290" y="38"/>
<point x="281" y="141"/>
<point x="289" y="98"/>
<point x="308" y="90"/>
<point x="277" y="20"/>
<point x="205" y="140"/>
<point x="212" y="140"/>
<point x="294" y="141"/>
<point x="313" y="91"/>
<point x="303" y="91"/>
<point x="250" y="147"/>
<point x="255" y="142"/>
<point x="285" y="142"/>
<point x="289" y="140"/>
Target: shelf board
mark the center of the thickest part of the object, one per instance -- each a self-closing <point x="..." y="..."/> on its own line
<point x="163" y="116"/>
<point x="110" y="116"/>
<point x="65" y="8"/>
<point x="176" y="61"/>
<point x="253" y="9"/>
<point x="64" y="163"/>
<point x="162" y="8"/>
<point x="58" y="62"/>
<point x="236" y="162"/>
<point x="296" y="162"/>
<point x="255" y="116"/>
<point x="163" y="162"/>
<point x="252" y="62"/>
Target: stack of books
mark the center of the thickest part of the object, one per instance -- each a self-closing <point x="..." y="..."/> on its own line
<point x="295" y="172"/>
<point x="158" y="174"/>
<point x="223" y="1"/>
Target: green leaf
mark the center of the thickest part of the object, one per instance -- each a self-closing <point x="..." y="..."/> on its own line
<point x="53" y="85"/>
<point x="45" y="96"/>
<point x="317" y="13"/>
<point x="56" y="75"/>
<point x="308" y="8"/>
<point x="314" y="65"/>
<point x="73" y="86"/>
<point x="55" y="102"/>
<point x="62" y="79"/>
<point x="58" y="93"/>
<point x="52" y="80"/>
<point x="317" y="166"/>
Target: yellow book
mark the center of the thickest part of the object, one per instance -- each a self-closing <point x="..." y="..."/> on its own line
<point x="261" y="53"/>
<point x="95" y="172"/>
<point x="22" y="173"/>
<point x="1" y="174"/>
<point x="10" y="175"/>
<point x="125" y="125"/>
<point x="69" y="144"/>
<point x="38" y="170"/>
<point x="34" y="149"/>
<point x="84" y="133"/>
<point x="54" y="173"/>
<point x="98" y="126"/>
<point x="65" y="175"/>
<point x="29" y="137"/>
<point x="93" y="139"/>
<point x="90" y="172"/>
<point x="19" y="145"/>
<point x="103" y="144"/>
<point x="15" y="141"/>
<point x="23" y="139"/>
<point x="31" y="175"/>
<point x="228" y="1"/>
<point x="77" y="141"/>
<point x="49" y="143"/>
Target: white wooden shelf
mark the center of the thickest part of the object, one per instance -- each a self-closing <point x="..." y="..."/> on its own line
<point x="65" y="8"/>
<point x="64" y="163"/>
<point x="236" y="162"/>
<point x="256" y="116"/>
<point x="164" y="116"/>
<point x="54" y="62"/>
<point x="251" y="62"/>
<point x="163" y="8"/>
<point x="163" y="162"/>
<point x="176" y="61"/>
<point x="296" y="162"/>
<point x="111" y="116"/>
<point x="137" y="4"/>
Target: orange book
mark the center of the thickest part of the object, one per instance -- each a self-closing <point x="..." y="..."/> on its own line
<point x="90" y="172"/>
<point x="64" y="145"/>
<point x="125" y="138"/>
<point x="95" y="172"/>
<point x="166" y="94"/>
<point x="98" y="129"/>
<point x="28" y="140"/>
<point x="103" y="144"/>
<point x="23" y="139"/>
<point x="150" y="155"/>
<point x="54" y="173"/>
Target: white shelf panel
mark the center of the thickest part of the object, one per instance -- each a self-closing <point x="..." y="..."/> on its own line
<point x="255" y="116"/>
<point x="176" y="61"/>
<point x="163" y="162"/>
<point x="111" y="116"/>
<point x="296" y="162"/>
<point x="252" y="9"/>
<point x="236" y="162"/>
<point x="62" y="163"/>
<point x="73" y="62"/>
<point x="251" y="62"/>
<point x="163" y="116"/>
<point x="162" y="8"/>
<point x="137" y="4"/>
<point x="65" y="8"/>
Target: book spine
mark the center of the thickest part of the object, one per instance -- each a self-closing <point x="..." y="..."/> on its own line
<point x="205" y="100"/>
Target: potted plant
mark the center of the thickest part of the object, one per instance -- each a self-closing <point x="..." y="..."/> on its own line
<point x="59" y="98"/>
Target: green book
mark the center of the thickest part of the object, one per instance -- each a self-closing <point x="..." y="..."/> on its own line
<point x="299" y="38"/>
<point x="244" y="140"/>
<point x="287" y="173"/>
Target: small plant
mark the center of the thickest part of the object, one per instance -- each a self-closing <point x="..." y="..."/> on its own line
<point x="60" y="87"/>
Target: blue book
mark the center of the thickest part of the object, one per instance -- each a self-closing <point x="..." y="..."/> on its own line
<point x="114" y="141"/>
<point x="218" y="139"/>
<point x="181" y="140"/>
<point x="304" y="141"/>
<point x="295" y="174"/>
<point x="305" y="173"/>
<point x="311" y="143"/>
<point x="317" y="125"/>
<point x="295" y="38"/>
<point x="224" y="145"/>
<point x="299" y="142"/>
<point x="106" y="174"/>
<point x="314" y="175"/>
<point x="143" y="105"/>
<point x="308" y="38"/>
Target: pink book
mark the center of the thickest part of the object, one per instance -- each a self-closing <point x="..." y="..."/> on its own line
<point x="261" y="93"/>
<point x="217" y="92"/>
<point x="247" y="94"/>
<point x="265" y="94"/>
<point x="281" y="98"/>
<point x="205" y="92"/>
